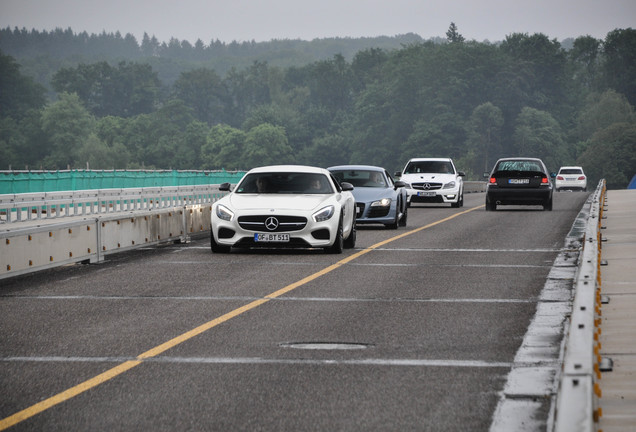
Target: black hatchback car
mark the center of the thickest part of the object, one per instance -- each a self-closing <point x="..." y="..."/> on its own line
<point x="519" y="181"/>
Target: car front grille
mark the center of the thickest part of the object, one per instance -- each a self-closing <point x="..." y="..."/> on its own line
<point x="283" y="223"/>
<point x="423" y="186"/>
<point x="375" y="212"/>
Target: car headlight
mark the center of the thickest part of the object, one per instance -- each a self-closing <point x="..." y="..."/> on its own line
<point x="384" y="202"/>
<point x="449" y="185"/>
<point x="324" y="214"/>
<point x="224" y="213"/>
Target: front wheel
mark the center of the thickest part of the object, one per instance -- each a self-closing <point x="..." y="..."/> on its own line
<point x="217" y="248"/>
<point x="338" y="243"/>
<point x="459" y="203"/>
<point x="396" y="222"/>
<point x="404" y="217"/>
<point x="350" y="242"/>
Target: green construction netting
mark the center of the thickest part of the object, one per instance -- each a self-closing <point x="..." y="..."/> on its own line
<point x="13" y="182"/>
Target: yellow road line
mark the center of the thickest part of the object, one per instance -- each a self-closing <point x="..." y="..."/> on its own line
<point x="126" y="366"/>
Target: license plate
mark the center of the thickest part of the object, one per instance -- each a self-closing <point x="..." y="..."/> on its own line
<point x="518" y="181"/>
<point x="271" y="237"/>
<point x="426" y="194"/>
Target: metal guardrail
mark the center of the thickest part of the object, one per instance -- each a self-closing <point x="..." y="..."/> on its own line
<point x="46" y="230"/>
<point x="577" y="407"/>
<point x="55" y="205"/>
<point x="474" y="186"/>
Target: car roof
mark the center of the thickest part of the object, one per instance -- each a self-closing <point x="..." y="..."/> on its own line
<point x="357" y="167"/>
<point x="519" y="158"/>
<point x="429" y="159"/>
<point x="289" y="168"/>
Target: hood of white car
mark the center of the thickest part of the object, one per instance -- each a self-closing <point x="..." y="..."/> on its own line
<point x="424" y="177"/>
<point x="276" y="201"/>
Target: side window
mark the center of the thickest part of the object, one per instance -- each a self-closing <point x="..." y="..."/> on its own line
<point x="389" y="179"/>
<point x="336" y="183"/>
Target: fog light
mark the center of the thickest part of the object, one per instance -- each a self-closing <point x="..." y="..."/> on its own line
<point x="450" y="196"/>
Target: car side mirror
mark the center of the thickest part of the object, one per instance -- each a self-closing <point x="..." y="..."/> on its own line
<point x="346" y="186"/>
<point x="399" y="184"/>
<point x="461" y="173"/>
<point x="225" y="187"/>
<point x="398" y="174"/>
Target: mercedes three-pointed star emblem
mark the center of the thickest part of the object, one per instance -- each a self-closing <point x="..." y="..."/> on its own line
<point x="271" y="223"/>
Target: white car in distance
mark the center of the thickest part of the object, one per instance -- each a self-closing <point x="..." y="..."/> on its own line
<point x="285" y="206"/>
<point x="570" y="178"/>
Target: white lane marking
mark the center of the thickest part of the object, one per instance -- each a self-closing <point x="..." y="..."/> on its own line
<point x="261" y="360"/>
<point x="381" y="264"/>
<point x="478" y="250"/>
<point x="283" y="299"/>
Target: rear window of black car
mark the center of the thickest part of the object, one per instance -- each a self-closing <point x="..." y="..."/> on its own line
<point x="519" y="165"/>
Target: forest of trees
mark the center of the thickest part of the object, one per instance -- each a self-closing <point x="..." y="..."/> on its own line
<point x="105" y="101"/>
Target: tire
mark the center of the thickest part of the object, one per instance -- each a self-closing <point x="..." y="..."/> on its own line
<point x="460" y="201"/>
<point x="404" y="217"/>
<point x="490" y="206"/>
<point x="338" y="243"/>
<point x="350" y="242"/>
<point x="395" y="223"/>
<point x="548" y="205"/>
<point x="217" y="248"/>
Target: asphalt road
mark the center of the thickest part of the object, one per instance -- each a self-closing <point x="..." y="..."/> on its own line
<point x="414" y="329"/>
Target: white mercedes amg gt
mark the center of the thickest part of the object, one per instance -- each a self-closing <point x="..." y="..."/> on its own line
<point x="285" y="206"/>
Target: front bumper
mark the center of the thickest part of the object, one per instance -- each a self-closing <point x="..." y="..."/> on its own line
<point x="435" y="196"/>
<point x="365" y="214"/>
<point x="314" y="234"/>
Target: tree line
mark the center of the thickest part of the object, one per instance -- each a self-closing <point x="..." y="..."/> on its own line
<point x="472" y="101"/>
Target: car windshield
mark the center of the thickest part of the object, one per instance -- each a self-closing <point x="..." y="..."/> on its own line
<point x="361" y="178"/>
<point x="571" y="171"/>
<point x="285" y="183"/>
<point x="519" y="166"/>
<point x="429" y="167"/>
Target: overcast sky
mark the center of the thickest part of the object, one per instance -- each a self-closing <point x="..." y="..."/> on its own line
<point x="263" y="20"/>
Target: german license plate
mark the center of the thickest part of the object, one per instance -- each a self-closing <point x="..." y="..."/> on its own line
<point x="518" y="181"/>
<point x="271" y="238"/>
<point x="426" y="194"/>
